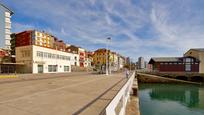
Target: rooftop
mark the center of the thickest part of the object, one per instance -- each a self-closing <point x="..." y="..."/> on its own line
<point x="164" y="59"/>
<point x="198" y="49"/>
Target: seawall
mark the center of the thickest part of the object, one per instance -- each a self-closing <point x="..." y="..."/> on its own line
<point x="147" y="78"/>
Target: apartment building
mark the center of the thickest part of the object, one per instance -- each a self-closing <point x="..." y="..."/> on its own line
<point x="34" y="37"/>
<point x="77" y="50"/>
<point x="115" y="60"/>
<point x="88" y="59"/>
<point x="5" y="26"/>
<point x="81" y="57"/>
<point x="121" y="61"/>
<point x="42" y="52"/>
<point x="99" y="57"/>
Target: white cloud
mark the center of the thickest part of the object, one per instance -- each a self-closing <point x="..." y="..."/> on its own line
<point x="176" y="26"/>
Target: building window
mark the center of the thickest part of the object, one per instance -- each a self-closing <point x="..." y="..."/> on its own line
<point x="188" y="60"/>
<point x="39" y="54"/>
<point x="57" y="56"/>
<point x="188" y="67"/>
<point x="8" y="25"/>
<point x="53" y="56"/>
<point x="49" y="55"/>
<point x="66" y="68"/>
<point x="52" y="68"/>
<point x="25" y="53"/>
<point x="45" y="54"/>
<point x="38" y="34"/>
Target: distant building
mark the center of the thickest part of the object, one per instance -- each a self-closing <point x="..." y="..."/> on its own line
<point x="5" y="26"/>
<point x="82" y="57"/>
<point x="197" y="53"/>
<point x="141" y="63"/>
<point x="88" y="59"/>
<point x="99" y="57"/>
<point x="115" y="61"/>
<point x="175" y="64"/>
<point x="127" y="61"/>
<point x="77" y="50"/>
<point x="114" y="64"/>
<point x="121" y="61"/>
<point x="145" y="64"/>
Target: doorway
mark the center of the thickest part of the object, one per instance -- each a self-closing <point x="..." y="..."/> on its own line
<point x="40" y="68"/>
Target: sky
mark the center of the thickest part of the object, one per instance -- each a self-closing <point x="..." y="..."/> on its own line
<point x="147" y="28"/>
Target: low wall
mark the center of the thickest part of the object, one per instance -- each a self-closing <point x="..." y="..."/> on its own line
<point x="118" y="104"/>
<point x="147" y="78"/>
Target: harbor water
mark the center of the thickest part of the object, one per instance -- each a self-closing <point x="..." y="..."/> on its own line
<point x="171" y="99"/>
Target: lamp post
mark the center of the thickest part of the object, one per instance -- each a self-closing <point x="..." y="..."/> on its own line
<point x="107" y="58"/>
<point x="130" y="64"/>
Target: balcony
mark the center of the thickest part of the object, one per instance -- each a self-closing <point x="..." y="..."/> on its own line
<point x="7" y="20"/>
<point x="7" y="14"/>
<point x="8" y="26"/>
<point x="7" y="37"/>
<point x="7" y="31"/>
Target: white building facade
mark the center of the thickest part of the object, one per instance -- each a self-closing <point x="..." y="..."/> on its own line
<point x="115" y="62"/>
<point x="74" y="59"/>
<point x="87" y="62"/>
<point x="121" y="62"/>
<point x="43" y="60"/>
<point x="5" y="27"/>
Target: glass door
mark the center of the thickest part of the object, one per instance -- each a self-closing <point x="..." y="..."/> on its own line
<point x="40" y="68"/>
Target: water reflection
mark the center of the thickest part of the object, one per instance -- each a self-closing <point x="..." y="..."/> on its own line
<point x="189" y="96"/>
<point x="188" y="99"/>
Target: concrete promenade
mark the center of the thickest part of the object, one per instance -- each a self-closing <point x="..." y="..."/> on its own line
<point x="58" y="94"/>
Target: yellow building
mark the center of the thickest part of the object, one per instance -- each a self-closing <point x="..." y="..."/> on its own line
<point x="99" y="57"/>
<point x="43" y="39"/>
<point x="198" y="54"/>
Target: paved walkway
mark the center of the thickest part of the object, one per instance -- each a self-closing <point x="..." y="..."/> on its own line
<point x="64" y="94"/>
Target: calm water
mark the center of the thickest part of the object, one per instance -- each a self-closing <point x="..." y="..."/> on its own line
<point x="171" y="99"/>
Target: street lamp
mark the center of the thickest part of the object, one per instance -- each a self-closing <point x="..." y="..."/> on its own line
<point x="130" y="64"/>
<point x="107" y="58"/>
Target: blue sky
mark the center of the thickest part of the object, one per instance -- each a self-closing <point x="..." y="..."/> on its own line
<point x="147" y="28"/>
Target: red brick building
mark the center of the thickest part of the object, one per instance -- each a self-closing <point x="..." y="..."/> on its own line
<point x="43" y="39"/>
<point x="24" y="38"/>
<point x="175" y="64"/>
